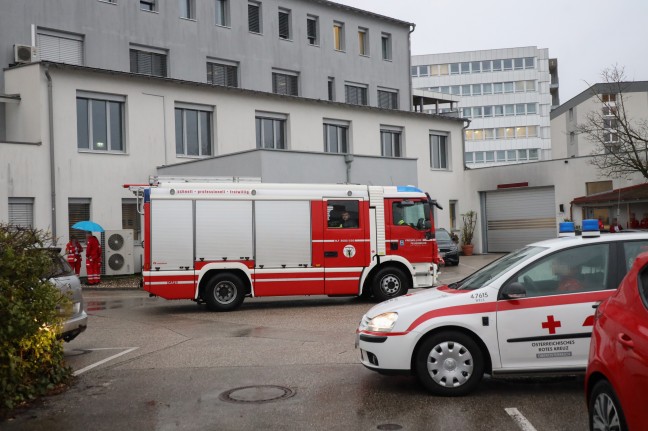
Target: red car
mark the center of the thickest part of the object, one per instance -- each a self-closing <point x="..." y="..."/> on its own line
<point x="616" y="384"/>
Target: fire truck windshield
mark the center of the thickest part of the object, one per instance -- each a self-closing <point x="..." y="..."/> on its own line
<point x="412" y="213"/>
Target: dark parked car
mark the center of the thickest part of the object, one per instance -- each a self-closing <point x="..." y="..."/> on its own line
<point x="447" y="247"/>
<point x="617" y="372"/>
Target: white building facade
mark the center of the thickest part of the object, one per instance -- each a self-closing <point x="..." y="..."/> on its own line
<point x="507" y="94"/>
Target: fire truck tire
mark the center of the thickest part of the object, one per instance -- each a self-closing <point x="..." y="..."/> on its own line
<point x="389" y="282"/>
<point x="224" y="292"/>
<point x="449" y="364"/>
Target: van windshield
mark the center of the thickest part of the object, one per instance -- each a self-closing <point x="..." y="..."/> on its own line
<point x="492" y="271"/>
<point x="411" y="213"/>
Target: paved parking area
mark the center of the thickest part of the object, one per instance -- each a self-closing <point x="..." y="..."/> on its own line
<point x="150" y="364"/>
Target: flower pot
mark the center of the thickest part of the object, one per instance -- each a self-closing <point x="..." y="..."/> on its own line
<point x="467" y="249"/>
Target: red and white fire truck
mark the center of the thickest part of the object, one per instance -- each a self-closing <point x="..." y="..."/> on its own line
<point x="217" y="242"/>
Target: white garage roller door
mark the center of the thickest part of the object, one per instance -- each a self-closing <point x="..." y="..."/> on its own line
<point x="518" y="217"/>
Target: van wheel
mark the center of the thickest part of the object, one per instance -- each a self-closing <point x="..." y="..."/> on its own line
<point x="389" y="283"/>
<point x="450" y="364"/>
<point x="224" y="292"/>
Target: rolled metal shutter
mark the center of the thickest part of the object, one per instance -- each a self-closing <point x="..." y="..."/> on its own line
<point x="516" y="218"/>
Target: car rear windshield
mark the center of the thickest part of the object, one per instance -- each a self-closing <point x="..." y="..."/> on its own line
<point x="59" y="267"/>
<point x="492" y="271"/>
<point x="443" y="235"/>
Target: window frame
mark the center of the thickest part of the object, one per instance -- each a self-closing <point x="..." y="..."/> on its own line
<point x="90" y="99"/>
<point x="190" y="11"/>
<point x="255" y="6"/>
<point x="222" y="11"/>
<point x="361" y="91"/>
<point x="341" y="129"/>
<point x="386" y="46"/>
<point x="338" y="36"/>
<point x="391" y="95"/>
<point x="363" y="41"/>
<point x="14" y="207"/>
<point x="315" y="37"/>
<point x="152" y="5"/>
<point x="285" y="33"/>
<point x="439" y="150"/>
<point x="285" y="82"/>
<point x="278" y="120"/>
<point x="395" y="144"/>
<point x="226" y="67"/>
<point x="78" y="209"/>
<point x="154" y="53"/>
<point x="184" y="109"/>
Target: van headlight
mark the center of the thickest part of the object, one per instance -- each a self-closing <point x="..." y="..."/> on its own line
<point x="383" y="322"/>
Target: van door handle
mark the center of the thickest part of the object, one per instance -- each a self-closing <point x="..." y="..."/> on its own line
<point x="393" y="245"/>
<point x="330" y="254"/>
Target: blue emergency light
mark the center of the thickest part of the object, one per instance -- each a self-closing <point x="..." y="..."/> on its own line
<point x="566" y="228"/>
<point x="591" y="228"/>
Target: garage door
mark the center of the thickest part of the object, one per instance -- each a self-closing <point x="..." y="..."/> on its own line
<point x="518" y="217"/>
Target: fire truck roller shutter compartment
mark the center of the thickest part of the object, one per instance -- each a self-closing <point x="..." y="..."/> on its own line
<point x="283" y="233"/>
<point x="224" y="230"/>
<point x="172" y="234"/>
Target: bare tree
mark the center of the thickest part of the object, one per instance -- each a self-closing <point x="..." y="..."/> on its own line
<point x="620" y="137"/>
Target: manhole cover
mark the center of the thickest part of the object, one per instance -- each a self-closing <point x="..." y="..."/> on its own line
<point x="256" y="394"/>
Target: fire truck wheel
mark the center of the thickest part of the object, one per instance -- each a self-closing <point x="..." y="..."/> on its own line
<point x="389" y="283"/>
<point x="224" y="292"/>
<point x="450" y="364"/>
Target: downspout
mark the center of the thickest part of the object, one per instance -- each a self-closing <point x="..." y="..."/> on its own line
<point x="51" y="151"/>
<point x="348" y="159"/>
<point x="463" y="142"/>
<point x="409" y="64"/>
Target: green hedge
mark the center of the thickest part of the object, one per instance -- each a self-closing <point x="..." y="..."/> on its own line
<point x="31" y="355"/>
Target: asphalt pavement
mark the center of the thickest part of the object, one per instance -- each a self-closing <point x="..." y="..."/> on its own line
<point x="277" y="364"/>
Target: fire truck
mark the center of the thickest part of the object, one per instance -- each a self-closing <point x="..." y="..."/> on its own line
<point x="219" y="241"/>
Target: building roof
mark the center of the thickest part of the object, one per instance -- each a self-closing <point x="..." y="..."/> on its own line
<point x="636" y="193"/>
<point x="600" y="88"/>
<point x="363" y="12"/>
<point x="243" y="91"/>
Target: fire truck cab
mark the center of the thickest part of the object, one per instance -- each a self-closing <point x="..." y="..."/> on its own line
<point x="217" y="242"/>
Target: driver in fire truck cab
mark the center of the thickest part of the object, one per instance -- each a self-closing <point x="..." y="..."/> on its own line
<point x="341" y="217"/>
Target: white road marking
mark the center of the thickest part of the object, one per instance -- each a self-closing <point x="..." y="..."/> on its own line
<point x="522" y="422"/>
<point x="96" y="364"/>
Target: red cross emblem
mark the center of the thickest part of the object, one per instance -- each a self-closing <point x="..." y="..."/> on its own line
<point x="551" y="324"/>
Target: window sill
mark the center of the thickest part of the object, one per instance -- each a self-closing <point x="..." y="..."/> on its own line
<point x="150" y="11"/>
<point x="108" y="2"/>
<point x="388" y="59"/>
<point x="315" y="45"/>
<point x="229" y="27"/>
<point x="365" y="55"/>
<point x="188" y="19"/>
<point x="339" y="50"/>
<point x="114" y="153"/>
<point x="285" y="39"/>
<point x="255" y="33"/>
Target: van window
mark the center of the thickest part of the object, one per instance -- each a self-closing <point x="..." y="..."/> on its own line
<point x="342" y="214"/>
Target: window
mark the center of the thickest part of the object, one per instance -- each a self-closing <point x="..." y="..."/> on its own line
<point x="509" y="109"/>
<point x="577" y="269"/>
<point x="486" y="66"/>
<point x="336" y="138"/>
<point x="533" y="154"/>
<point x="530" y="86"/>
<point x="518" y="63"/>
<point x="423" y="71"/>
<point x="475" y="66"/>
<point x="21" y="212"/>
<point x="497" y="65"/>
<point x="363" y="41"/>
<point x="254" y="17"/>
<point x="595" y="187"/>
<point x="355" y="95"/>
<point x="271" y="132"/>
<point x="631" y="250"/>
<point x="477" y="111"/>
<point x="465" y="90"/>
<point x="531" y="108"/>
<point x="342" y="214"/>
<point x="522" y="154"/>
<point x="520" y="109"/>
<point x="490" y="156"/>
<point x="508" y="87"/>
<point x="148" y="62"/>
<point x="501" y="156"/>
<point x="488" y="111"/>
<point x="284" y="24"/>
<point x="193" y="127"/>
<point x="78" y="210"/>
<point x="331" y="89"/>
<point x="529" y="63"/>
<point x="453" y="214"/>
<point x="60" y="47"/>
<point x="479" y="157"/>
<point x="283" y="83"/>
<point x="469" y="157"/>
<point x="519" y="86"/>
<point x="465" y="67"/>
<point x="438" y="151"/>
<point x="222" y="74"/>
<point x="507" y="64"/>
<point x="476" y="89"/>
<point x="388" y="99"/>
<point x="443" y="69"/>
<point x="222" y="13"/>
<point x="148" y="5"/>
<point x="338" y="36"/>
<point x="390" y="143"/>
<point x="605" y="98"/>
<point x="454" y="68"/>
<point x="188" y="9"/>
<point x="510" y="155"/>
<point x="312" y="30"/>
<point x="131" y="218"/>
<point x="100" y="123"/>
<point x="466" y="112"/>
<point x="487" y="88"/>
<point x="386" y="44"/>
<point x="498" y="87"/>
<point x="499" y="110"/>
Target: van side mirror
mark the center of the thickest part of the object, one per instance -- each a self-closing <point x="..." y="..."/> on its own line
<point x="513" y="290"/>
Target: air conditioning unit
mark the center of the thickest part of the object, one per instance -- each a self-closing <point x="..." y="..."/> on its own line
<point x="24" y="53"/>
<point x="117" y="250"/>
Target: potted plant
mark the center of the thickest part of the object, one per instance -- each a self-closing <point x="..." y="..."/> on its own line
<point x="469" y="222"/>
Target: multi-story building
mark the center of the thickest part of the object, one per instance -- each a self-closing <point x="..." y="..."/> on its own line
<point x="601" y="100"/>
<point x="95" y="94"/>
<point x="507" y="94"/>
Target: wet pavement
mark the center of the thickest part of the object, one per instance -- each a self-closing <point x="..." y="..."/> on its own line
<point x="276" y="363"/>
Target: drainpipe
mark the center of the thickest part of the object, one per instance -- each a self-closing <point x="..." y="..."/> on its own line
<point x="348" y="159"/>
<point x="51" y="151"/>
<point x="409" y="64"/>
<point x="463" y="141"/>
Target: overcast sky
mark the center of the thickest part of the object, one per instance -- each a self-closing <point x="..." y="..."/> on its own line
<point x="586" y="36"/>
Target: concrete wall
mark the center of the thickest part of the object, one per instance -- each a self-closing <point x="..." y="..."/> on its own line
<point x="108" y="30"/>
<point x="150" y="141"/>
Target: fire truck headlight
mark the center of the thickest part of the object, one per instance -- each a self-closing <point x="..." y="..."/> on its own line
<point x="382" y="322"/>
